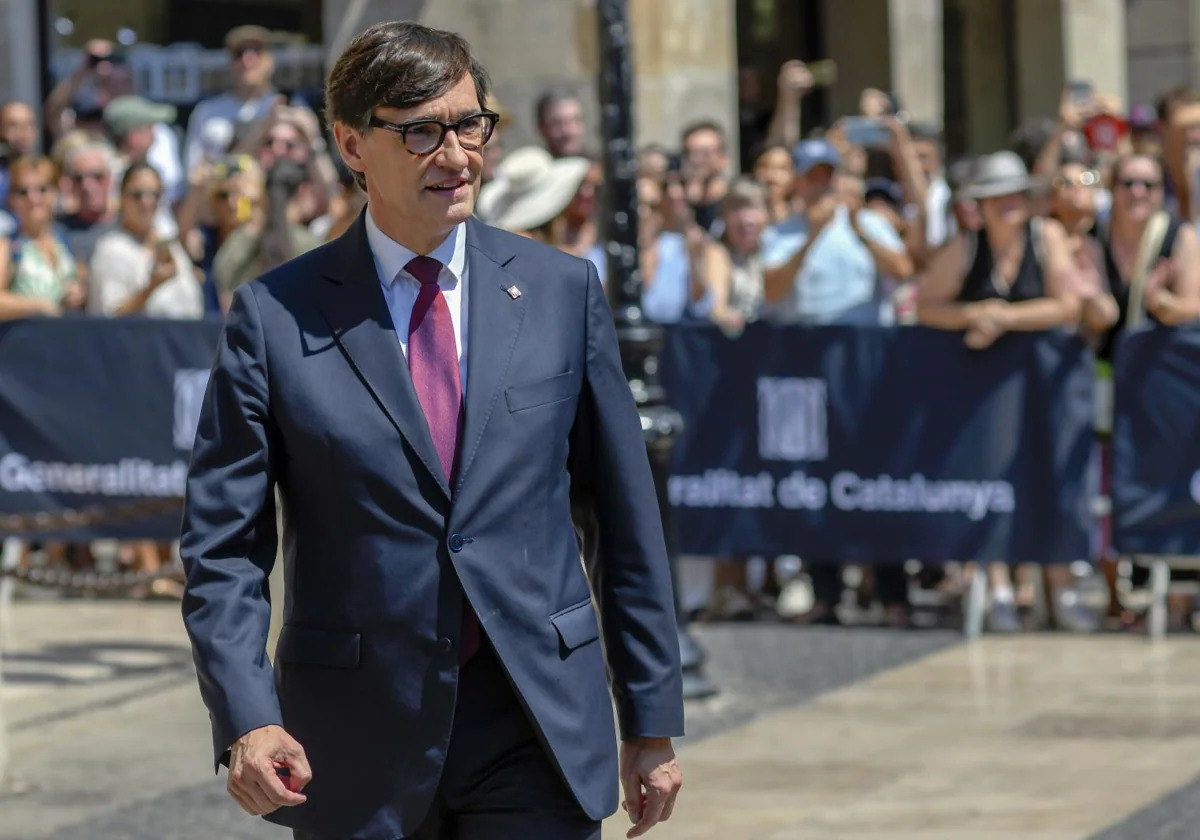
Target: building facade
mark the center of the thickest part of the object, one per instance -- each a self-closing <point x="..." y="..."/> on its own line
<point x="979" y="67"/>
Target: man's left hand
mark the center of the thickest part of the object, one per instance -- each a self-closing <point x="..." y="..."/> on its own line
<point x="652" y="779"/>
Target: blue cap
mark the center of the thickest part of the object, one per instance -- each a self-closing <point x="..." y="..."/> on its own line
<point x="809" y="153"/>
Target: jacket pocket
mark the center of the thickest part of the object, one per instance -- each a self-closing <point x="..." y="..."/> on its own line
<point x="576" y="625"/>
<point x="321" y="648"/>
<point x="556" y="388"/>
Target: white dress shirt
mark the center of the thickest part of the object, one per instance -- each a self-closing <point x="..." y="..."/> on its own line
<point x="400" y="288"/>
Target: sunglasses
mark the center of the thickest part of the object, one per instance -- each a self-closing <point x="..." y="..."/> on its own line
<point x="142" y="195"/>
<point x="1091" y="178"/>
<point x="97" y="176"/>
<point x="242" y="52"/>
<point x="1148" y="185"/>
<point x="424" y="137"/>
<point x="284" y="142"/>
<point x="37" y="189"/>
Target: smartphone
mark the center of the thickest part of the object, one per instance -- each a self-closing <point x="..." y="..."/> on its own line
<point x="824" y="72"/>
<point x="1081" y="90"/>
<point x="867" y="132"/>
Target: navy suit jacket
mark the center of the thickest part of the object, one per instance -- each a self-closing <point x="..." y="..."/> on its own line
<point x="310" y="393"/>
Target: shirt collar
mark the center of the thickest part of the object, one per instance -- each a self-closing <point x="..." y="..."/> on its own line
<point x="391" y="257"/>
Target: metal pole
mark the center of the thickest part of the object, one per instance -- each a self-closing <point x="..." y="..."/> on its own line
<point x="640" y="340"/>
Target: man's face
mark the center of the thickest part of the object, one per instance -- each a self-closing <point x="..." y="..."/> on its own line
<point x="18" y="127"/>
<point x="138" y="141"/>
<point x="930" y="156"/>
<point x="705" y="152"/>
<point x="251" y="64"/>
<point x="431" y="192"/>
<point x="92" y="182"/>
<point x="562" y="128"/>
<point x="815" y="184"/>
<point x="283" y="142"/>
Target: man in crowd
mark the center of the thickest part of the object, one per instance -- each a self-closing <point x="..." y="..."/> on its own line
<point x="141" y="131"/>
<point x="823" y="265"/>
<point x="215" y="122"/>
<point x="78" y="100"/>
<point x="927" y="143"/>
<point x="18" y="136"/>
<point x="89" y="171"/>
<point x="560" y="122"/>
<point x="705" y="171"/>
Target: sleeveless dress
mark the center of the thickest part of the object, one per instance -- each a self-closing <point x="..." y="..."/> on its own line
<point x="1118" y="284"/>
<point x="980" y="284"/>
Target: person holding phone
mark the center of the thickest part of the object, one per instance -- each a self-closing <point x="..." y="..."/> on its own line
<point x="78" y="100"/>
<point x="822" y="265"/>
<point x="132" y="270"/>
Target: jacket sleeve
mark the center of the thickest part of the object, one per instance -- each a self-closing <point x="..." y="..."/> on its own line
<point x="617" y="506"/>
<point x="228" y="541"/>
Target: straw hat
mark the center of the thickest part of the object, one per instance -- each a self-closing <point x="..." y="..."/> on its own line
<point x="1002" y="173"/>
<point x="531" y="188"/>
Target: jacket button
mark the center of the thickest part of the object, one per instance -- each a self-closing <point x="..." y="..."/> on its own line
<point x="456" y="542"/>
<point x="445" y="645"/>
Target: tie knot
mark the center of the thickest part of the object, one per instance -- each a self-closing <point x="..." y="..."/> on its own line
<point x="425" y="269"/>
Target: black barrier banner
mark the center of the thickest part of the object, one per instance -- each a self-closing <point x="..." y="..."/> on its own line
<point x="1156" y="443"/>
<point x="880" y="444"/>
<point x="99" y="414"/>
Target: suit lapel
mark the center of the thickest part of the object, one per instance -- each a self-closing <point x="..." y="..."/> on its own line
<point x="494" y="320"/>
<point x="352" y="302"/>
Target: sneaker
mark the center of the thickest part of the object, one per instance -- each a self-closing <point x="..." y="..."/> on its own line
<point x="729" y="604"/>
<point x="1003" y="618"/>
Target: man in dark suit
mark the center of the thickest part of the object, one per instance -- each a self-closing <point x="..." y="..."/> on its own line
<point x="431" y="397"/>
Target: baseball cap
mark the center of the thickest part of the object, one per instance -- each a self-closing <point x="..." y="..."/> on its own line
<point x="125" y="113"/>
<point x="241" y="36"/>
<point x="809" y="153"/>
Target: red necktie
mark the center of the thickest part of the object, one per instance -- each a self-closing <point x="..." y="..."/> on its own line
<point x="433" y="363"/>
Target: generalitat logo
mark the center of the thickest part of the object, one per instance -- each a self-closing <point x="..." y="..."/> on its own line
<point x="793" y="419"/>
<point x="190" y="385"/>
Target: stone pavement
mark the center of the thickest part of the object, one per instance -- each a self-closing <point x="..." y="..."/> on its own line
<point x="903" y="735"/>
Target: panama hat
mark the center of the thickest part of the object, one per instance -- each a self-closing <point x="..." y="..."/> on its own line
<point x="1002" y="173"/>
<point x="531" y="188"/>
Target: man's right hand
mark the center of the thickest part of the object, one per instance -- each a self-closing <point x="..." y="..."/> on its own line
<point x="820" y="214"/>
<point x="255" y="760"/>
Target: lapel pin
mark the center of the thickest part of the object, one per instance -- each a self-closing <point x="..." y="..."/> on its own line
<point x="513" y="292"/>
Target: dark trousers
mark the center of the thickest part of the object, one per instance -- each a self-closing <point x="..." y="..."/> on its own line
<point x="891" y="584"/>
<point x="498" y="783"/>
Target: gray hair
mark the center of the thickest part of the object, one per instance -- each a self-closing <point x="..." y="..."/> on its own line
<point x="101" y="147"/>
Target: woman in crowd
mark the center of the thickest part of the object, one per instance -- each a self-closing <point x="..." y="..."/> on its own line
<point x="38" y="275"/>
<point x="132" y="271"/>
<point x="773" y="169"/>
<point x="223" y="197"/>
<point x="730" y="269"/>
<point x="1150" y="260"/>
<point x="263" y="244"/>
<point x="1017" y="274"/>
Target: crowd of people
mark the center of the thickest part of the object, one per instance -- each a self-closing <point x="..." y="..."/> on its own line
<point x="1085" y="223"/>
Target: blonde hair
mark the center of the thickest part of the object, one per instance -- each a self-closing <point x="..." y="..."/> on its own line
<point x="22" y="166"/>
<point x="744" y="192"/>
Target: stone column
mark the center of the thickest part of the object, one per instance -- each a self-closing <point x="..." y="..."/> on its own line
<point x="20" y="75"/>
<point x="1161" y="45"/>
<point x="915" y="34"/>
<point x="1094" y="44"/>
<point x="685" y="66"/>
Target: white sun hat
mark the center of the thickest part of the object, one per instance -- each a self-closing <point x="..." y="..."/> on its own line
<point x="530" y="189"/>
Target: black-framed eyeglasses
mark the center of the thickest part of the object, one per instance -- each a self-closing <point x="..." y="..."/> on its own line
<point x="424" y="137"/>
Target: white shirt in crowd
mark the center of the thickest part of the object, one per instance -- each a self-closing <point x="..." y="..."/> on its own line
<point x="121" y="268"/>
<point x="214" y="122"/>
<point x="400" y="288"/>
